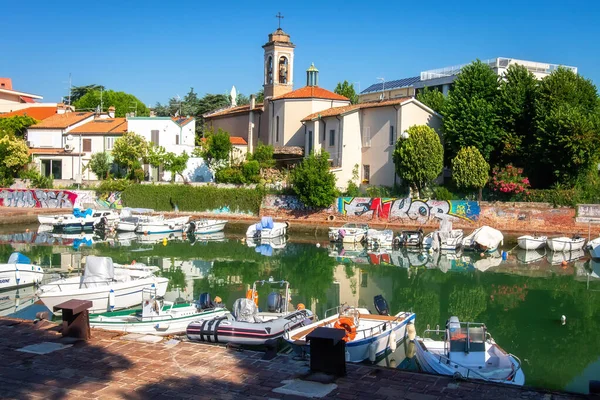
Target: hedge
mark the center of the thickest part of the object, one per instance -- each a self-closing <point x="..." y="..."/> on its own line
<point x="192" y="198"/>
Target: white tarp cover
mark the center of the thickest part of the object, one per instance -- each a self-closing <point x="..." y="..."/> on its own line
<point x="244" y="310"/>
<point x="488" y="237"/>
<point x="98" y="270"/>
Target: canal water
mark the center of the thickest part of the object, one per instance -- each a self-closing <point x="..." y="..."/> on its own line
<point x="519" y="295"/>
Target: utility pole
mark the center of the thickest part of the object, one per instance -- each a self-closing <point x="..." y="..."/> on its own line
<point x="70" y="89"/>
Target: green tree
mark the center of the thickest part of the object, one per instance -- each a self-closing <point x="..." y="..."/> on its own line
<point x="313" y="182"/>
<point x="470" y="117"/>
<point x="567" y="119"/>
<point x="352" y="189"/>
<point x="78" y="92"/>
<point x="346" y="89"/>
<point x="433" y="99"/>
<point x="100" y="164"/>
<point x="251" y="171"/>
<point x="16" y="125"/>
<point x="263" y="153"/>
<point x="260" y="96"/>
<point x="13" y="157"/>
<point x="470" y="170"/>
<point x="124" y="103"/>
<point x="217" y="147"/>
<point x="419" y="158"/>
<point x="176" y="164"/>
<point x="242" y="100"/>
<point x="156" y="155"/>
<point x="127" y="152"/>
<point x="516" y="109"/>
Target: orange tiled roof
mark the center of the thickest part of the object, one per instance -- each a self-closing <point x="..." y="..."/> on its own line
<point x="62" y="121"/>
<point x="234" y="140"/>
<point x="103" y="126"/>
<point x="51" y="152"/>
<point x="308" y="92"/>
<point x="233" y="110"/>
<point x="334" y="111"/>
<point x="39" y="113"/>
<point x="181" y="121"/>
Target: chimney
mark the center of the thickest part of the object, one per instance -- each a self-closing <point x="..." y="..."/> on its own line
<point x="61" y="108"/>
<point x="111" y="111"/>
<point x="252" y="102"/>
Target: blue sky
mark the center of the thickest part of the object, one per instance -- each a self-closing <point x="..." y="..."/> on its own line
<point x="157" y="50"/>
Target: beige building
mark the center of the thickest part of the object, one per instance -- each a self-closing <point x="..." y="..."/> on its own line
<point x="14" y="100"/>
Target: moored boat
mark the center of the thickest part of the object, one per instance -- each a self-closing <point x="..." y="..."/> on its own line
<point x="19" y="272"/>
<point x="246" y="325"/>
<point x="445" y="238"/>
<point x="529" y="242"/>
<point x="410" y="238"/>
<point x="349" y="233"/>
<point x="383" y="238"/>
<point x="484" y="238"/>
<point x="159" y="317"/>
<point x="107" y="287"/>
<point x="469" y="351"/>
<point x="206" y="226"/>
<point x="564" y="243"/>
<point x="368" y="336"/>
<point x="593" y="246"/>
<point x="166" y="225"/>
<point x="267" y="229"/>
<point x="132" y="217"/>
<point x="79" y="220"/>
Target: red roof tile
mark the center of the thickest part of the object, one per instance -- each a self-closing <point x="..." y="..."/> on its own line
<point x="334" y="111"/>
<point x="233" y="110"/>
<point x="62" y="121"/>
<point x="234" y="140"/>
<point x="39" y="113"/>
<point x="103" y="126"/>
<point x="315" y="92"/>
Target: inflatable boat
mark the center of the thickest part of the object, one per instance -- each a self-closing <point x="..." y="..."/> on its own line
<point x="246" y="325"/>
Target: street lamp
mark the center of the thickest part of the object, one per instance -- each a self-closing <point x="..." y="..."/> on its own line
<point x="383" y="87"/>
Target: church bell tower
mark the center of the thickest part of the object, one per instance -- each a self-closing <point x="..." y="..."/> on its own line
<point x="279" y="64"/>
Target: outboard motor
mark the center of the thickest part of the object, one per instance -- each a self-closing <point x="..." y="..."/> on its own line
<point x="204" y="301"/>
<point x="274" y="302"/>
<point x="381" y="305"/>
<point x="191" y="228"/>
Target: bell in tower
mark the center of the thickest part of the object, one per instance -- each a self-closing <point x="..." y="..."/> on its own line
<point x="279" y="64"/>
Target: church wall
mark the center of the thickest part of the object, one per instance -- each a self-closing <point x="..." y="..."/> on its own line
<point x="236" y="125"/>
<point x="379" y="155"/>
<point x="351" y="149"/>
<point x="412" y="114"/>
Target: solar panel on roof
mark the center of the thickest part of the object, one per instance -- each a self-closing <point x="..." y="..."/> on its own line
<point x="395" y="84"/>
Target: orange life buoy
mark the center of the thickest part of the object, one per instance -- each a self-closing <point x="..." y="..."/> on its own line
<point x="252" y="295"/>
<point x="347" y="324"/>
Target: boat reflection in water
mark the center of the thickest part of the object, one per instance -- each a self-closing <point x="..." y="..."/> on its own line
<point x="557" y="257"/>
<point x="267" y="247"/>
<point x="530" y="256"/>
<point x="15" y="300"/>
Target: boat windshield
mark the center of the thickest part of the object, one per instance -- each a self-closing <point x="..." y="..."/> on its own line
<point x="467" y="338"/>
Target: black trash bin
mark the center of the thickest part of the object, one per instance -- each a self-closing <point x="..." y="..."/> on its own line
<point x="327" y="351"/>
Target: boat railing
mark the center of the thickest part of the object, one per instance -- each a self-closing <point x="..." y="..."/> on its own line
<point x="288" y="326"/>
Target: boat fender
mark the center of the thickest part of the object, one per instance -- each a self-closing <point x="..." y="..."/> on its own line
<point x="411" y="349"/>
<point x="373" y="351"/>
<point x="347" y="324"/>
<point x="331" y="218"/>
<point x="17" y="274"/>
<point x="393" y="340"/>
<point x="411" y="331"/>
<point x="192" y="227"/>
<point x="300" y="306"/>
<point x="111" y="299"/>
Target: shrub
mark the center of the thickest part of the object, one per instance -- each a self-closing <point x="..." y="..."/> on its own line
<point x="352" y="189"/>
<point x="313" y="182"/>
<point x="251" y="171"/>
<point x="379" y="191"/>
<point x="469" y="169"/>
<point x="509" y="180"/>
<point x="230" y="175"/>
<point x="100" y="164"/>
<point x="192" y="198"/>
<point x="36" y="179"/>
<point x="264" y="155"/>
<point x="113" y="185"/>
<point x="442" y="193"/>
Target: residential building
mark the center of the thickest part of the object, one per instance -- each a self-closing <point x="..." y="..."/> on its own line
<point x="175" y="134"/>
<point x="13" y="100"/>
<point x="442" y="79"/>
<point x="39" y="113"/>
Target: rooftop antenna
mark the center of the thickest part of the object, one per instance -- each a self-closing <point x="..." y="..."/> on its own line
<point x="62" y="99"/>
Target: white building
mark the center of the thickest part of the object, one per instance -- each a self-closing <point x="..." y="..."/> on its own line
<point x="14" y="100"/>
<point x="175" y="134"/>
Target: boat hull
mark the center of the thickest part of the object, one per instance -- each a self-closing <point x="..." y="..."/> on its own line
<point x="279" y="229"/>
<point x="565" y="244"/>
<point x="126" y="294"/>
<point x="532" y="242"/>
<point x="164" y="226"/>
<point x="204" y="227"/>
<point x="160" y="325"/>
<point x="19" y="275"/>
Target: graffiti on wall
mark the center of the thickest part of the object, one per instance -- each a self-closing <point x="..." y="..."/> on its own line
<point x="413" y="209"/>
<point x="110" y="200"/>
<point x="37" y="198"/>
<point x="290" y="203"/>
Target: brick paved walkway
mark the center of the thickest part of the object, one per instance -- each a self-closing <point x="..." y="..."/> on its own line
<point x="109" y="367"/>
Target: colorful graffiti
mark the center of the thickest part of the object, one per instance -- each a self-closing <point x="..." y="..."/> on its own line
<point x="37" y="198"/>
<point x="110" y="200"/>
<point x="413" y="209"/>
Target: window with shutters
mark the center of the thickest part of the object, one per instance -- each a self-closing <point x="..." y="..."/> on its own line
<point x="154" y="137"/>
<point x="332" y="138"/>
<point x="110" y="143"/>
<point x="367" y="137"/>
<point x="87" y="145"/>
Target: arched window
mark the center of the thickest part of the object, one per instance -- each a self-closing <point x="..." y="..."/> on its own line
<point x="283" y="69"/>
<point x="269" y="75"/>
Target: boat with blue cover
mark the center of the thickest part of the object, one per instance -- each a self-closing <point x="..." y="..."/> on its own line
<point x="80" y="219"/>
<point x="267" y="229"/>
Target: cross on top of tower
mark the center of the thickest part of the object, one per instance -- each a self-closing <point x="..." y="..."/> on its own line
<point x="280" y="18"/>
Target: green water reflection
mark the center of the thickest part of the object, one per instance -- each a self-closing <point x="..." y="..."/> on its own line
<point x="520" y="303"/>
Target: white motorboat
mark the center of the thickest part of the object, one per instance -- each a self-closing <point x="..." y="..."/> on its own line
<point x="19" y="272"/>
<point x="529" y="242"/>
<point x="246" y="325"/>
<point x="564" y="243"/>
<point x="530" y="256"/>
<point x="484" y="239"/>
<point x="469" y="351"/>
<point x="131" y="218"/>
<point x="79" y="220"/>
<point x="368" y="336"/>
<point x="164" y="225"/>
<point x="593" y="246"/>
<point x="206" y="226"/>
<point x="349" y="233"/>
<point x="384" y="238"/>
<point x="410" y="238"/>
<point x="159" y="317"/>
<point x="558" y="257"/>
<point x="107" y="287"/>
<point x="445" y="238"/>
<point x="267" y="229"/>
